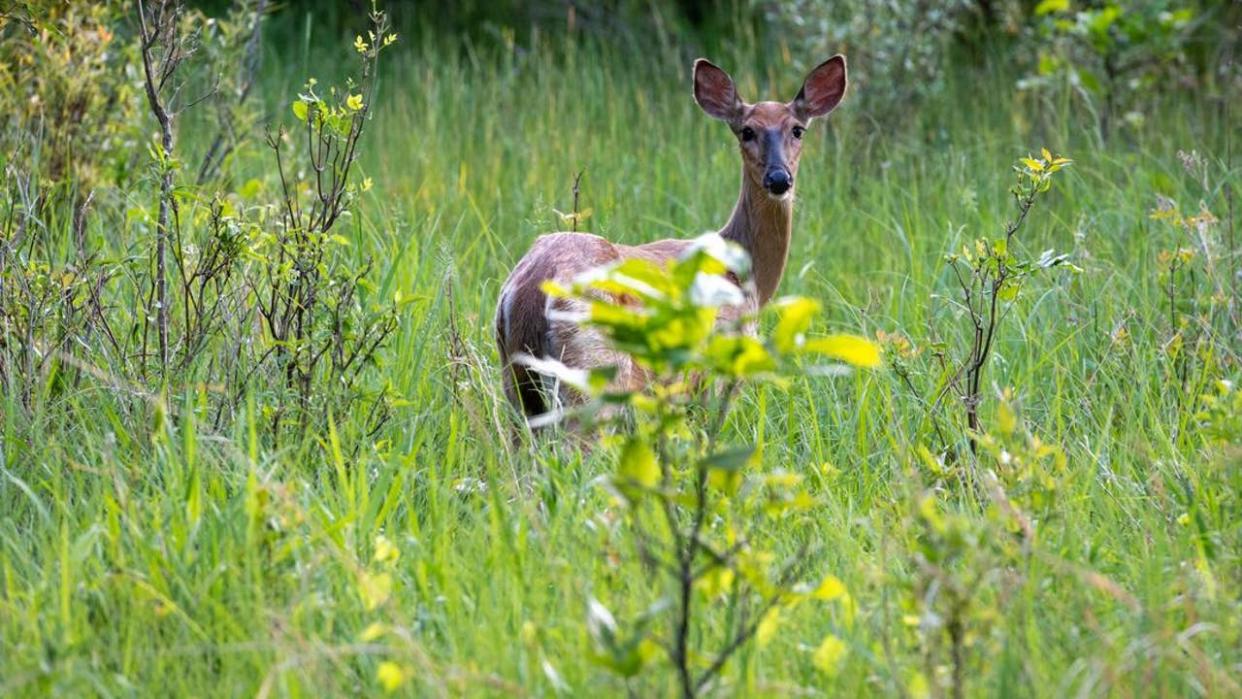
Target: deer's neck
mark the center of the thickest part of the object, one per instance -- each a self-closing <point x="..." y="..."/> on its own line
<point x="762" y="226"/>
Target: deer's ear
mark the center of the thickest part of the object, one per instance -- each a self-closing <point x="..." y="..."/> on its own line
<point x="822" y="90"/>
<point x="714" y="91"/>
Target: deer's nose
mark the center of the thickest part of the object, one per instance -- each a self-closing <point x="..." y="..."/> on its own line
<point x="777" y="181"/>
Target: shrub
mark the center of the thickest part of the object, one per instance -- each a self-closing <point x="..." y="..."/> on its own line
<point x="205" y="264"/>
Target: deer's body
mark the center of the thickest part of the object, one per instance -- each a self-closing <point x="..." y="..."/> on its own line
<point x="762" y="222"/>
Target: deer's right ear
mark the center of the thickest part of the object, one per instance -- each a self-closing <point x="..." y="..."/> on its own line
<point x="715" y="92"/>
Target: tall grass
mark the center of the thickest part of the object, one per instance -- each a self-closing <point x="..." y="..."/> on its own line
<point x="143" y="550"/>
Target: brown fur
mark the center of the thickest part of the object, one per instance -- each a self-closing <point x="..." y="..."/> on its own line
<point x="761" y="223"/>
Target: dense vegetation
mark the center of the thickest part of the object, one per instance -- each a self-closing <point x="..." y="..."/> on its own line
<point x="253" y="440"/>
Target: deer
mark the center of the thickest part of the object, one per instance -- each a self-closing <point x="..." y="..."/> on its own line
<point x="529" y="323"/>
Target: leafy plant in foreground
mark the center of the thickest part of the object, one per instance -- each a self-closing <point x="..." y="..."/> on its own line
<point x="692" y="503"/>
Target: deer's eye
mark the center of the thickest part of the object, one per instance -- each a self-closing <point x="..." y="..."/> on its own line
<point x="798" y="131"/>
<point x="748" y="134"/>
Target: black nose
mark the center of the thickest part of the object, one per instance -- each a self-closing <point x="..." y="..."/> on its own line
<point x="777" y="181"/>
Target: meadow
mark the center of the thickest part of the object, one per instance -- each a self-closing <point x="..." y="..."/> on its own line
<point x="150" y="544"/>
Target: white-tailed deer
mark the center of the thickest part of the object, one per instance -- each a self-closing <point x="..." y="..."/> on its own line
<point x="770" y="138"/>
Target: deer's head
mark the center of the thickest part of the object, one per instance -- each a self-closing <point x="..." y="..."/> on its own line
<point x="770" y="133"/>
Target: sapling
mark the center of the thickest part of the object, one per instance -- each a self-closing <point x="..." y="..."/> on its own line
<point x="989" y="275"/>
<point x="692" y="501"/>
<point x="309" y="304"/>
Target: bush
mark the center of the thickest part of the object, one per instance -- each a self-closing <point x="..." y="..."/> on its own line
<point x="206" y="265"/>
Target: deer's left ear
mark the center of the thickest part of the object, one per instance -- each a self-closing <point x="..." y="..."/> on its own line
<point x="822" y="90"/>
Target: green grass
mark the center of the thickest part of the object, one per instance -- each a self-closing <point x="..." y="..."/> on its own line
<point x="142" y="553"/>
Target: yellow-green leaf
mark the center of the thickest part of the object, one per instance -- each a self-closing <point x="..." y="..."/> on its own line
<point x="1006" y="420"/>
<point x="795" y="317"/>
<point x="251" y="189"/>
<point x="391" y="675"/>
<point x="374" y="589"/>
<point x="767" y="626"/>
<point x="1049" y="6"/>
<point x="828" y="656"/>
<point x="299" y="110"/>
<point x="917" y="687"/>
<point x="638" y="464"/>
<point x="739" y="355"/>
<point x="385" y="551"/>
<point x="716" y="582"/>
<point x="551" y="287"/>
<point x="372" y="632"/>
<point x="850" y="349"/>
<point x="831" y="588"/>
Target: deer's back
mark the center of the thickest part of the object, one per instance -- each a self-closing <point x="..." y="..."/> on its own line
<point x="527" y="319"/>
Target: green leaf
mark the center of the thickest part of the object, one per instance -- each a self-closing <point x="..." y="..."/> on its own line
<point x="299" y="110"/>
<point x="716" y="581"/>
<point x="1100" y="21"/>
<point x="638" y="464"/>
<point x="727" y="482"/>
<point x="850" y="349"/>
<point x="1048" y="64"/>
<point x="1089" y="80"/>
<point x="729" y="460"/>
<point x="641" y="278"/>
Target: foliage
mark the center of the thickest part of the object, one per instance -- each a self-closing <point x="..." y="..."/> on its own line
<point x="161" y="537"/>
<point x="896" y="49"/>
<point x="69" y="105"/>
<point x="1114" y="53"/>
<point x="218" y="262"/>
<point x="691" y="502"/>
